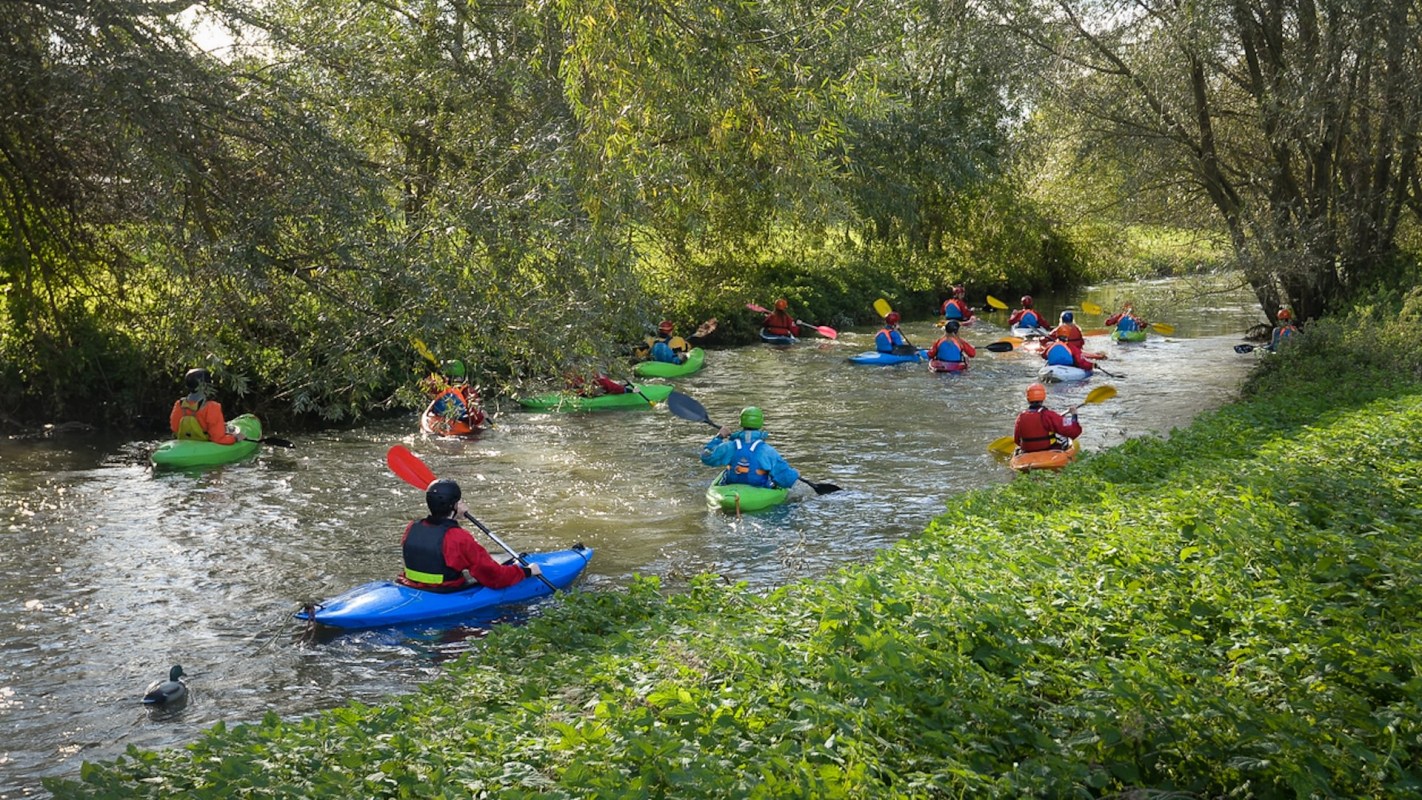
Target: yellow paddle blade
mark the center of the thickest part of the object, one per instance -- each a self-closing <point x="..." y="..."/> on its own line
<point x="1100" y="394"/>
<point x="424" y="351"/>
<point x="1163" y="328"/>
<point x="882" y="306"/>
<point x="996" y="303"/>
<point x="1003" y="446"/>
<point x="1091" y="308"/>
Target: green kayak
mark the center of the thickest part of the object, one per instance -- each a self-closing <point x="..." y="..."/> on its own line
<point x="695" y="360"/>
<point x="563" y="401"/>
<point x="194" y="453"/>
<point x="737" y="497"/>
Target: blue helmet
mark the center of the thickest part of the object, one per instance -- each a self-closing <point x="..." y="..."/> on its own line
<point x="1067" y="316"/>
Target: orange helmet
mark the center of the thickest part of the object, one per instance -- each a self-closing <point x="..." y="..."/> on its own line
<point x="1284" y="313"/>
<point x="1036" y="393"/>
<point x="781" y="304"/>
<point x="1026" y="301"/>
<point x="665" y="327"/>
<point x="892" y="318"/>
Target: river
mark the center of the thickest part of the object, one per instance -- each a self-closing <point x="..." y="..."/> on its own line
<point x="110" y="573"/>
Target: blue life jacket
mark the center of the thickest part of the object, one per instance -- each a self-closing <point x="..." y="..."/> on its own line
<point x="747" y="466"/>
<point x="450" y="404"/>
<point x="1060" y="355"/>
<point x="1029" y="320"/>
<point x="661" y="351"/>
<point x="888" y="338"/>
<point x="948" y="350"/>
<point x="1127" y="324"/>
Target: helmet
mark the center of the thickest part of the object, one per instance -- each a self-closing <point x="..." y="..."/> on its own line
<point x="782" y="304"/>
<point x="1026" y="301"/>
<point x="1284" y="313"/>
<point x="1036" y="393"/>
<point x="1067" y="316"/>
<point x="1128" y="307"/>
<point x="441" y="496"/>
<point x="665" y="327"/>
<point x="951" y="326"/>
<point x="959" y="291"/>
<point x="454" y="368"/>
<point x="196" y="377"/>
<point x="892" y="318"/>
<point x="752" y="418"/>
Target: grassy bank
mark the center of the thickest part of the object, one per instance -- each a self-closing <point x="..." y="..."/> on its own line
<point x="1234" y="611"/>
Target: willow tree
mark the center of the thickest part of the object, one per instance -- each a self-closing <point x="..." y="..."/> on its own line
<point x="1296" y="121"/>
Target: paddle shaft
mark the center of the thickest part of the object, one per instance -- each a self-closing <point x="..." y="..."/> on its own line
<point x="273" y="441"/>
<point x="500" y="542"/>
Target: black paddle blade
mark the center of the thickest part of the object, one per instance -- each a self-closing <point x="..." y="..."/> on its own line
<point x="1000" y="347"/>
<point x="275" y="442"/>
<point x="821" y="488"/>
<point x="1244" y="348"/>
<point x="687" y="408"/>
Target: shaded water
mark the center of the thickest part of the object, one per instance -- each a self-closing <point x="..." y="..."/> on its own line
<point x="109" y="573"/>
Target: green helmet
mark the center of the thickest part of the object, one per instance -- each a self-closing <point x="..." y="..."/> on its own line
<point x="752" y="418"/>
<point x="454" y="368"/>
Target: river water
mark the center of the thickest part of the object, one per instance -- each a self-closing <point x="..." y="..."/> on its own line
<point x="110" y="573"/>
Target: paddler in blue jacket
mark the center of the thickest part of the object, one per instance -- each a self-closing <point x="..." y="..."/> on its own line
<point x="747" y="456"/>
<point x="890" y="340"/>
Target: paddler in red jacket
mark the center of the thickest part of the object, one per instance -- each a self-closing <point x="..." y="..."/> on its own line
<point x="441" y="556"/>
<point x="779" y="322"/>
<point x="198" y="418"/>
<point x="1040" y="428"/>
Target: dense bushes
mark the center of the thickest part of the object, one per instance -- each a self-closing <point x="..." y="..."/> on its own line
<point x="1233" y="611"/>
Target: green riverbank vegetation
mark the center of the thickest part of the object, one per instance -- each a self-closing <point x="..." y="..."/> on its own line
<point x="1230" y="611"/>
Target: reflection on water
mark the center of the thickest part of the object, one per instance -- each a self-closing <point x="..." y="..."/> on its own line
<point x="112" y="574"/>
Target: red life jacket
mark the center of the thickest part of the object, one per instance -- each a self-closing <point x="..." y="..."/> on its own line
<point x="1031" y="431"/>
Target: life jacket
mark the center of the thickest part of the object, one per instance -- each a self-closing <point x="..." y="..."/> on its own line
<point x="1283" y="332"/>
<point x="1128" y="324"/>
<point x="424" y="552"/>
<point x="1029" y="319"/>
<point x="189" y="427"/>
<point x="954" y="309"/>
<point x="1059" y="354"/>
<point x="884" y="340"/>
<point x="451" y="399"/>
<point x="946" y="349"/>
<point x="1068" y="332"/>
<point x="662" y="351"/>
<point x="1031" y="432"/>
<point x="747" y="466"/>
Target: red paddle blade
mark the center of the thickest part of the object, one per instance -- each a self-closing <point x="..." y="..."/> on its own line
<point x="757" y="309"/>
<point x="409" y="467"/>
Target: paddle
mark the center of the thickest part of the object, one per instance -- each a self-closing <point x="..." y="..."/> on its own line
<point x="823" y="330"/>
<point x="273" y="441"/>
<point x="1003" y="346"/>
<point x="996" y="303"/>
<point x="1163" y="328"/>
<point x="1006" y="445"/>
<point x="1249" y="348"/>
<point x="1091" y="308"/>
<point x="884" y="309"/>
<point x="410" y="469"/>
<point x="686" y="407"/>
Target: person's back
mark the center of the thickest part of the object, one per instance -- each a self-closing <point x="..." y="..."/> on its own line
<point x="1039" y="428"/>
<point x="441" y="556"/>
<point x="1285" y="330"/>
<point x="889" y="339"/>
<point x="747" y="456"/>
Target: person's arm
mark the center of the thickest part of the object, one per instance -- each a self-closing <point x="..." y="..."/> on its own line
<point x="1111" y="320"/>
<point x="717" y="452"/>
<point x="969" y="350"/>
<point x="176" y="416"/>
<point x="210" y="415"/>
<point x="461" y="552"/>
<point x="781" y="472"/>
<point x="1068" y="426"/>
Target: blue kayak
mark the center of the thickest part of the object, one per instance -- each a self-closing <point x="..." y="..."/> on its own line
<point x="383" y="603"/>
<point x="875" y="358"/>
<point x="770" y="338"/>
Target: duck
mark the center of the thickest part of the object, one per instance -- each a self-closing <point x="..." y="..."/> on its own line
<point x="170" y="692"/>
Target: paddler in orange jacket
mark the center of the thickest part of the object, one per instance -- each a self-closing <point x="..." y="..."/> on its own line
<point x="196" y="417"/>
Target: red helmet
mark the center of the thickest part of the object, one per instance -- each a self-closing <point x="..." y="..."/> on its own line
<point x="665" y="327"/>
<point x="1036" y="393"/>
<point x="892" y="318"/>
<point x="1026" y="301"/>
<point x="1284" y="313"/>
<point x="781" y="304"/>
<point x="959" y="291"/>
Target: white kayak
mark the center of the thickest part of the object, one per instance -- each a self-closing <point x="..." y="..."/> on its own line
<point x="1062" y="372"/>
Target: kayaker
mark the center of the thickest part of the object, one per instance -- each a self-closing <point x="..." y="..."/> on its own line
<point x="441" y="556"/>
<point x="1040" y="428"/>
<point x="950" y="348"/>
<point x="1125" y="320"/>
<point x="1285" y="329"/>
<point x="956" y="307"/>
<point x="747" y="456"/>
<point x="600" y="385"/>
<point x="890" y="340"/>
<point x="456" y="399"/>
<point x="779" y="322"/>
<point x="1061" y="353"/>
<point x="1024" y="317"/>
<point x="199" y="418"/>
<point x="667" y="346"/>
<point x="1067" y="331"/>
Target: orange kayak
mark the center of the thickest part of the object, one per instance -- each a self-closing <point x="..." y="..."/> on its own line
<point x="1044" y="459"/>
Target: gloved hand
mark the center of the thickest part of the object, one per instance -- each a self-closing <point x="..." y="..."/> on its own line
<point x="533" y="570"/>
